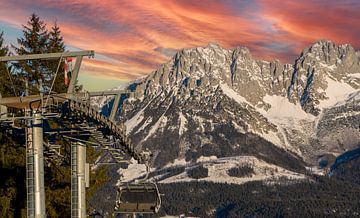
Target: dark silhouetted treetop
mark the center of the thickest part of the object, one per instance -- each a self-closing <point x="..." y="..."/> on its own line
<point x="5" y="85"/>
<point x="56" y="44"/>
<point x="34" y="41"/>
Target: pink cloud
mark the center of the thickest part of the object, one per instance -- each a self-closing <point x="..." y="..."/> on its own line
<point x="135" y="34"/>
<point x="308" y="21"/>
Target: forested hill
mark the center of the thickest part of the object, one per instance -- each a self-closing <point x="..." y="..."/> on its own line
<point x="319" y="197"/>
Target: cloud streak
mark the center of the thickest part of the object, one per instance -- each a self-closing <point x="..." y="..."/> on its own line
<point x="137" y="36"/>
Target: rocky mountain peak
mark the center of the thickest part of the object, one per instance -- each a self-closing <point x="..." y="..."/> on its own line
<point x="322" y="67"/>
<point x="242" y="53"/>
<point x="331" y="53"/>
<point x="213" y="45"/>
<point x="192" y="70"/>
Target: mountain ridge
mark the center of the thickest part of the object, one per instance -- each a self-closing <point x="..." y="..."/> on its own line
<point x="203" y="88"/>
<point x="218" y="117"/>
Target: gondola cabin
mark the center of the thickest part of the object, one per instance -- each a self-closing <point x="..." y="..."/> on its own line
<point x="141" y="198"/>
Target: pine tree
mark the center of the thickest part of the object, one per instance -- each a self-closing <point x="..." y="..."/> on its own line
<point x="34" y="41"/>
<point x="56" y="41"/>
<point x="56" y="44"/>
<point x="4" y="50"/>
<point x="5" y="84"/>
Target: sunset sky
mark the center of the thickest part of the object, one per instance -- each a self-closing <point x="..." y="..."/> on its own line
<point x="133" y="37"/>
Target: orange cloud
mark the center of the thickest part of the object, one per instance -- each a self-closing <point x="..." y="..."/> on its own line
<point x="135" y="37"/>
<point x="308" y="21"/>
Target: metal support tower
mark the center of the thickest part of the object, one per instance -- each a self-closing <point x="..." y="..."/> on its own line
<point x="34" y="135"/>
<point x="35" y="169"/>
<point x="35" y="188"/>
<point x="78" y="163"/>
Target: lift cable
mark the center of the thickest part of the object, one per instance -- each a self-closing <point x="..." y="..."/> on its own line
<point x="12" y="83"/>
<point x="53" y="82"/>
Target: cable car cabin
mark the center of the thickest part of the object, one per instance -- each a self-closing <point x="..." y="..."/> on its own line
<point x="138" y="198"/>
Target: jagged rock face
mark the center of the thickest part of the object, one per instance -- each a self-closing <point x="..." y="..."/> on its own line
<point x="319" y="67"/>
<point x="213" y="101"/>
<point x="254" y="79"/>
<point x="338" y="129"/>
<point x="183" y="125"/>
<point x="212" y="65"/>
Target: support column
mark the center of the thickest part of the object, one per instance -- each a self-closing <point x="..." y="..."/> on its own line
<point x="38" y="163"/>
<point x="74" y="75"/>
<point x="78" y="162"/>
<point x="115" y="107"/>
<point x="30" y="181"/>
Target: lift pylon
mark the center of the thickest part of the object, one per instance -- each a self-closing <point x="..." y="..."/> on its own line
<point x="35" y="168"/>
<point x="38" y="157"/>
<point x="78" y="183"/>
<point x="74" y="106"/>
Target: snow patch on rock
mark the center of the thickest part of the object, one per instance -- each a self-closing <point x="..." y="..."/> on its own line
<point x="352" y="97"/>
<point x="205" y="158"/>
<point x="160" y="123"/>
<point x="281" y="107"/>
<point x="232" y="94"/>
<point x="335" y="92"/>
<point x="356" y="75"/>
<point x="183" y="122"/>
<point x="177" y="162"/>
<point x="146" y="123"/>
<point x="134" y="121"/>
<point x="133" y="171"/>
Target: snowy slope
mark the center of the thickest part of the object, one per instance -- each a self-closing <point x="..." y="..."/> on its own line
<point x="335" y="92"/>
<point x="210" y="101"/>
<point x="218" y="171"/>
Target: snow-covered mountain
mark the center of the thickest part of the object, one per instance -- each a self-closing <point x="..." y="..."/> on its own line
<point x="211" y="101"/>
<point x="324" y="74"/>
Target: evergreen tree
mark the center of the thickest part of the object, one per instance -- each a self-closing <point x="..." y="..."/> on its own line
<point x="5" y="84"/>
<point x="4" y="50"/>
<point x="56" y="41"/>
<point x="34" y="41"/>
<point x="56" y="44"/>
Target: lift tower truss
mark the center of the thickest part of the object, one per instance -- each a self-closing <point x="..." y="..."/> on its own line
<point x="75" y="106"/>
<point x="33" y="107"/>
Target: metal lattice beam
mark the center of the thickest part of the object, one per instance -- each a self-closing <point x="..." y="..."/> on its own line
<point x="89" y="53"/>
